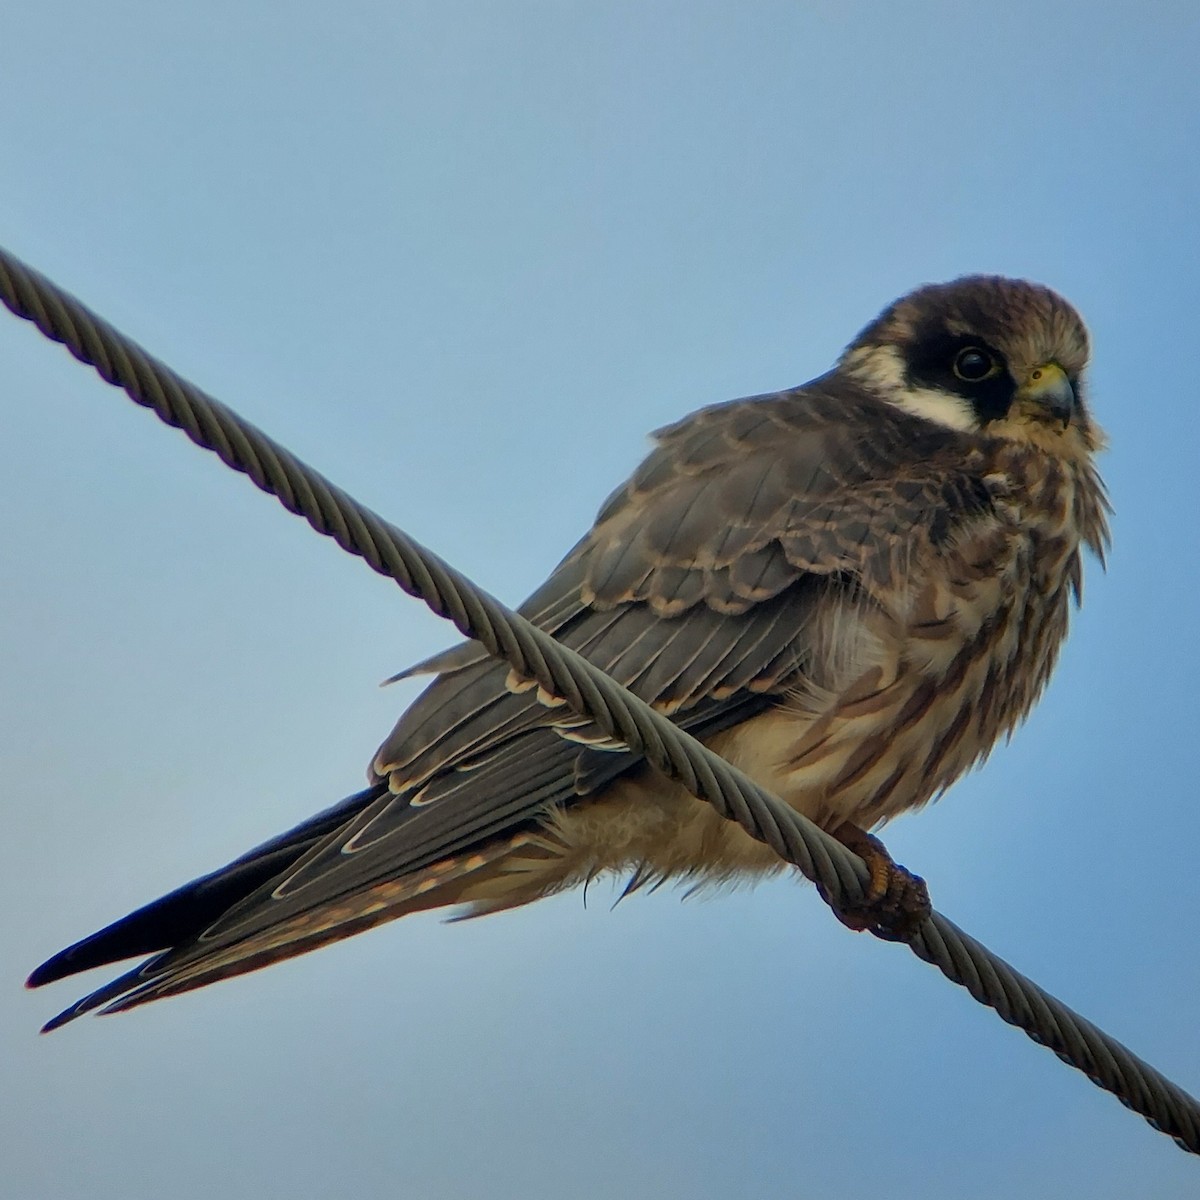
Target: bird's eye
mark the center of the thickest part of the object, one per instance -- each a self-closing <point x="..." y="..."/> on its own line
<point x="974" y="365"/>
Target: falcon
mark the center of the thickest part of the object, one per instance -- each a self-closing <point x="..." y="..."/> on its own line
<point x="849" y="589"/>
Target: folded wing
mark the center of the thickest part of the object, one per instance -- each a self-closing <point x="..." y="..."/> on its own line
<point x="699" y="588"/>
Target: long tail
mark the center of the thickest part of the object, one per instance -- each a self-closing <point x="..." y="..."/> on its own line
<point x="195" y="937"/>
<point x="185" y="913"/>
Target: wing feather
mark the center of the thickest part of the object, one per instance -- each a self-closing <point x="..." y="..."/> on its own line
<point x="471" y="758"/>
<point x="700" y="586"/>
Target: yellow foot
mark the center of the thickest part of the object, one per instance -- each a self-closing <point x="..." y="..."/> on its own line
<point x="896" y="903"/>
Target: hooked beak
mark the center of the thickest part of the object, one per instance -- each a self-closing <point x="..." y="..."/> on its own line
<point x="1047" y="393"/>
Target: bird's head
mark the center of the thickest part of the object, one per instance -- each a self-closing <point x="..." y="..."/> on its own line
<point x="983" y="354"/>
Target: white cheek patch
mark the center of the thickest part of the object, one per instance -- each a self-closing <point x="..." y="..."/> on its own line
<point x="882" y="369"/>
<point x="943" y="408"/>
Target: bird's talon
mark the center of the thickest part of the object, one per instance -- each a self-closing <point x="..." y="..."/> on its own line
<point x="895" y="903"/>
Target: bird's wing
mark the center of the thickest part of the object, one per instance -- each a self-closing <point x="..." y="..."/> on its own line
<point x="697" y="588"/>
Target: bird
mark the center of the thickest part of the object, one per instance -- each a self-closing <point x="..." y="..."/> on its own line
<point x="851" y="589"/>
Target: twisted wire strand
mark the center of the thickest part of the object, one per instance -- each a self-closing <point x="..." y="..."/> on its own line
<point x="588" y="691"/>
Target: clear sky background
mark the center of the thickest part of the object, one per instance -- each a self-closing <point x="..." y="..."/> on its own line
<point x="463" y="257"/>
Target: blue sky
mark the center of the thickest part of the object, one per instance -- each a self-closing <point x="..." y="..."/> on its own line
<point x="462" y="257"/>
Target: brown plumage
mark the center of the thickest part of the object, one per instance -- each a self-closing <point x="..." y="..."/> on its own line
<point x="851" y="590"/>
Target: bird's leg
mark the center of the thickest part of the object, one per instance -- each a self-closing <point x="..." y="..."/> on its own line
<point x="896" y="901"/>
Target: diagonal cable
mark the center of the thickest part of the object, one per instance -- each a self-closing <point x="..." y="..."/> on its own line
<point x="588" y="691"/>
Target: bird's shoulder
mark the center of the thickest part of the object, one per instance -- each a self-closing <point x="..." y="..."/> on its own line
<point x="738" y="500"/>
